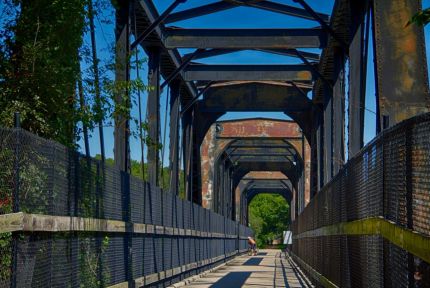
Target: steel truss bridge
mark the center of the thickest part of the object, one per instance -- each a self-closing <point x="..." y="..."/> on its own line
<point x="356" y="222"/>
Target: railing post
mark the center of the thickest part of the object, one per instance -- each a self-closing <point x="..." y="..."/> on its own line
<point x="128" y="239"/>
<point x="15" y="198"/>
<point x="409" y="197"/>
<point x="17" y="124"/>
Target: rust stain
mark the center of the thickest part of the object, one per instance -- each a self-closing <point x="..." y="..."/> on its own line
<point x="260" y="128"/>
<point x="213" y="146"/>
<point x="304" y="75"/>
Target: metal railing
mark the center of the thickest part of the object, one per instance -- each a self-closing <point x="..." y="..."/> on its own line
<point x="370" y="226"/>
<point x="70" y="221"/>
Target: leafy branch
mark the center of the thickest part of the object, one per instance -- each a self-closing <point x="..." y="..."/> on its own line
<point x="421" y="18"/>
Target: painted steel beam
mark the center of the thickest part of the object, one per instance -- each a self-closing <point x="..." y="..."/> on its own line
<point x="400" y="58"/>
<point x="254" y="97"/>
<point x="224" y="5"/>
<point x="196" y="72"/>
<point x="245" y="38"/>
<point x="338" y="123"/>
<point x="199" y="11"/>
<point x="122" y="74"/>
<point x="210" y="53"/>
<point x="284" y="52"/>
<point x="289" y="10"/>
<point x="153" y="107"/>
<point x="358" y="51"/>
<point x="293" y="53"/>
<point x="154" y="24"/>
<point x="174" y="137"/>
<point x="148" y="7"/>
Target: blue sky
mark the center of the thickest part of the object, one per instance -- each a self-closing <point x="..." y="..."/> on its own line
<point x="241" y="17"/>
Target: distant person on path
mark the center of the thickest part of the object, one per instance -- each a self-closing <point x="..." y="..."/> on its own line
<point x="252" y="245"/>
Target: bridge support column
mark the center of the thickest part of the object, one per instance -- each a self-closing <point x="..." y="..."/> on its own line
<point x="122" y="74"/>
<point x="338" y="123"/>
<point x="357" y="75"/>
<point x="400" y="66"/>
<point x="334" y="120"/>
<point x="153" y="114"/>
<point x="317" y="151"/>
<point x="174" y="137"/>
<point x="187" y="142"/>
<point x="327" y="135"/>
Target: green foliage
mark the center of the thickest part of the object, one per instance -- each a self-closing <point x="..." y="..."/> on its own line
<point x="90" y="262"/>
<point x="39" y="65"/>
<point x="269" y="216"/>
<point x="6" y="256"/>
<point x="136" y="170"/>
<point x="422" y="18"/>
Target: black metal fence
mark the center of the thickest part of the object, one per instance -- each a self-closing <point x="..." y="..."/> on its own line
<point x="51" y="202"/>
<point x="380" y="197"/>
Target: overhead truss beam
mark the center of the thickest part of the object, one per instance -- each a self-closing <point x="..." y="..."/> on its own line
<point x="245" y="38"/>
<point x="200" y="72"/>
<point x="284" y="52"/>
<point x="225" y="5"/>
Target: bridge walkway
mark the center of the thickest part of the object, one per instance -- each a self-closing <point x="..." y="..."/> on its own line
<point x="269" y="268"/>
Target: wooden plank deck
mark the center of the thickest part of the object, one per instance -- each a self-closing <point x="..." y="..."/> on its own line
<point x="268" y="269"/>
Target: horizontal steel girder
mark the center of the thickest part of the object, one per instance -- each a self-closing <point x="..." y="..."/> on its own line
<point x="224" y="5"/>
<point x="245" y="38"/>
<point x="196" y="72"/>
<point x="283" y="52"/>
<point x="254" y="97"/>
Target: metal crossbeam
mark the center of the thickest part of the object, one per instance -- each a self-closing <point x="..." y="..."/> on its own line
<point x="284" y="52"/>
<point x="245" y="38"/>
<point x="181" y="67"/>
<point x="224" y="5"/>
<point x="199" y="11"/>
<point x="323" y="23"/>
<point x="195" y="72"/>
<point x="288" y="10"/>
<point x="154" y="24"/>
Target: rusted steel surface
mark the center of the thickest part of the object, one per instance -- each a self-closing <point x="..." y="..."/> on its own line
<point x="215" y="143"/>
<point x="402" y="79"/>
<point x="258" y="128"/>
<point x="264" y="175"/>
<point x="208" y="153"/>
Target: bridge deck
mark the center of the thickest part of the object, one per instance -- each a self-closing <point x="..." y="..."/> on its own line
<point x="268" y="269"/>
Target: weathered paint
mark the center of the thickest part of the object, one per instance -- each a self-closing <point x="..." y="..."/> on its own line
<point x="216" y="142"/>
<point x="401" y="61"/>
<point x="259" y="128"/>
<point x="208" y="154"/>
<point x="415" y="243"/>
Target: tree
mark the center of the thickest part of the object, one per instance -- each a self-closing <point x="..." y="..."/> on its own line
<point x="269" y="216"/>
<point x="40" y="66"/>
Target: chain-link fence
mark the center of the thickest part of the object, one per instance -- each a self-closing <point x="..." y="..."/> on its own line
<point x="51" y="202"/>
<point x="356" y="232"/>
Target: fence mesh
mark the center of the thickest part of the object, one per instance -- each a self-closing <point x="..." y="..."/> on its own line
<point x="39" y="176"/>
<point x="389" y="178"/>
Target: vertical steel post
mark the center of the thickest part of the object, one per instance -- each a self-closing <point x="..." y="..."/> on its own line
<point x="15" y="198"/>
<point x="303" y="172"/>
<point x="328" y="134"/>
<point x="400" y="61"/>
<point x="320" y="149"/>
<point x="153" y="115"/>
<point x="174" y="137"/>
<point x="187" y="126"/>
<point x="358" y="49"/>
<point x="338" y="113"/>
<point x="17" y="124"/>
<point x="122" y="75"/>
